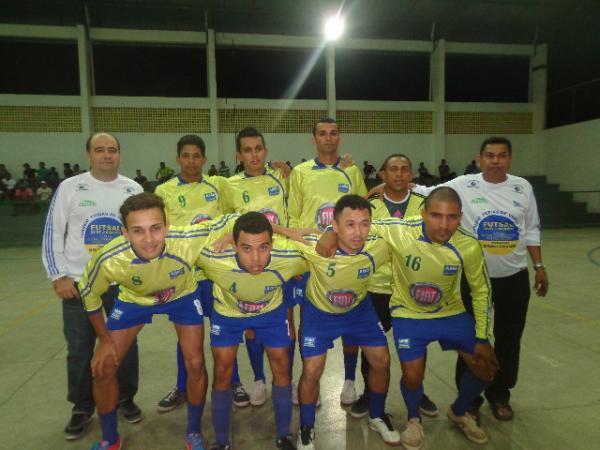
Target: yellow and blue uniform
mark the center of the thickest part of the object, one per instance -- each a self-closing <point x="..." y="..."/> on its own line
<point x="148" y="287"/>
<point x="245" y="301"/>
<point x="337" y="302"/>
<point x="426" y="304"/>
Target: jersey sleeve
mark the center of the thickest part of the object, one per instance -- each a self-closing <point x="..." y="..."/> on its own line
<point x="479" y="283"/>
<point x="359" y="183"/>
<point x="295" y="198"/>
<point x="221" y="184"/>
<point x="532" y="222"/>
<point x="53" y="243"/>
<point x="387" y="229"/>
<point x="95" y="281"/>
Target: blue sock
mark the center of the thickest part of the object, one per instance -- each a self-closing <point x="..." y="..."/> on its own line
<point x="292" y="354"/>
<point x="470" y="388"/>
<point x="412" y="398"/>
<point x="221" y="404"/>
<point x="194" y="417"/>
<point x="108" y="425"/>
<point x="376" y="404"/>
<point x="282" y="403"/>
<point x="307" y="414"/>
<point x="181" y="372"/>
<point x="350" y="360"/>
<point x="256" y="353"/>
<point x="235" y="376"/>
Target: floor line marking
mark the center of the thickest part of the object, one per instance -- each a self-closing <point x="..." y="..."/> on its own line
<point x="26" y="316"/>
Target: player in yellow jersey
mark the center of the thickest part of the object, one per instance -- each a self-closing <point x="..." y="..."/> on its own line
<point x="315" y="186"/>
<point x="337" y="305"/>
<point x="248" y="284"/>
<point x="154" y="267"/>
<point x="397" y="201"/>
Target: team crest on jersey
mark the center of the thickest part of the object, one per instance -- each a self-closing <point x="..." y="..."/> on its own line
<point x="518" y="188"/>
<point x="270" y="289"/>
<point x="129" y="190"/>
<point x="84" y="203"/>
<point x="343" y="187"/>
<point x="163" y="296"/>
<point x="479" y="201"/>
<point x="82" y="187"/>
<point x="473" y="184"/>
<point x="116" y="314"/>
<point x="425" y="294"/>
<point x="342" y="298"/>
<point x="270" y="214"/>
<point x="450" y="269"/>
<point x="251" y="307"/>
<point x="274" y="190"/>
<point x="364" y="272"/>
<point x="176" y="273"/>
<point x="210" y="196"/>
<point x="200" y="218"/>
<point x="324" y="215"/>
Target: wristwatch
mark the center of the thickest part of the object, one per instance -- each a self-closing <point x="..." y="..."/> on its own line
<point x="539" y="265"/>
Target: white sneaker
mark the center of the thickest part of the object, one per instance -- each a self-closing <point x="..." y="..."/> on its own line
<point x="295" y="394"/>
<point x="412" y="436"/>
<point x="383" y="425"/>
<point x="468" y="424"/>
<point x="258" y="397"/>
<point x="306" y="437"/>
<point x="348" y="395"/>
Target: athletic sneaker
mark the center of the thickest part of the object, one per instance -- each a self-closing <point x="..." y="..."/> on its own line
<point x="131" y="411"/>
<point x="171" y="401"/>
<point x="468" y="425"/>
<point x="427" y="407"/>
<point x="222" y="447"/>
<point x="77" y="426"/>
<point x="104" y="445"/>
<point x="412" y="436"/>
<point x="348" y="395"/>
<point x="194" y="442"/>
<point x="258" y="397"/>
<point x="306" y="437"/>
<point x="285" y="443"/>
<point x="361" y="407"/>
<point x="383" y="425"/>
<point x="240" y="396"/>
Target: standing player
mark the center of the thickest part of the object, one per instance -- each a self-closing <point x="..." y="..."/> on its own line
<point x="315" y="186"/>
<point x="82" y="217"/>
<point x="192" y="198"/>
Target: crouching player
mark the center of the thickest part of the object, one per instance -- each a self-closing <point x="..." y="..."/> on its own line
<point x="155" y="270"/>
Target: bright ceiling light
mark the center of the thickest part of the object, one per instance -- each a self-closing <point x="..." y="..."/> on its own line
<point x="334" y="27"/>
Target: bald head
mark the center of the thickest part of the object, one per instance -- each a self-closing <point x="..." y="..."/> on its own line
<point x="90" y="141"/>
<point x="443" y="194"/>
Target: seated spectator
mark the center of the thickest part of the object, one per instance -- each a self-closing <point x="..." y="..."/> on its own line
<point x="212" y="171"/>
<point x="423" y="172"/>
<point x="44" y="192"/>
<point x="67" y="171"/>
<point x="444" y="171"/>
<point x="239" y="168"/>
<point x="140" y="179"/>
<point x="4" y="173"/>
<point x="77" y="170"/>
<point x="224" y="170"/>
<point x="9" y="185"/>
<point x="29" y="174"/>
<point x="23" y="197"/>
<point x="164" y="173"/>
<point x="53" y="178"/>
<point x="42" y="172"/>
<point x="369" y="170"/>
<point x="472" y="168"/>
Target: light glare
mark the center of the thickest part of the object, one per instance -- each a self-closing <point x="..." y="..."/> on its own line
<point x="334" y="27"/>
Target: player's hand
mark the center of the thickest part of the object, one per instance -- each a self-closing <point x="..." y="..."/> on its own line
<point x="105" y="353"/>
<point x="412" y="186"/>
<point x="346" y="161"/>
<point x="327" y="245"/>
<point x="377" y="190"/>
<point x="541" y="282"/>
<point x="282" y="165"/>
<point x="223" y="243"/>
<point x="65" y="288"/>
<point x="484" y="364"/>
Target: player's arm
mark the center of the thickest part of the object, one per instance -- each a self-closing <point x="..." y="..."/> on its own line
<point x="282" y="167"/>
<point x="534" y="246"/>
<point x="295" y="234"/>
<point x="295" y="198"/>
<point x="360" y="188"/>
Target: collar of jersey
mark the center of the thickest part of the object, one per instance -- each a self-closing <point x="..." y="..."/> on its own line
<point x="344" y="252"/>
<point x="182" y="181"/>
<point x="424" y="237"/>
<point x="241" y="269"/>
<point x="139" y="260"/>
<point x="320" y="165"/>
<point x="247" y="175"/>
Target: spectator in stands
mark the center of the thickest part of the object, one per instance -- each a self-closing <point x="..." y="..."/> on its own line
<point x="67" y="170"/>
<point x="42" y="172"/>
<point x="29" y="174"/>
<point x="472" y="168"/>
<point x="77" y="170"/>
<point x="140" y="179"/>
<point x="369" y="170"/>
<point x="239" y="168"/>
<point x="224" y="170"/>
<point x="423" y="172"/>
<point x="164" y="173"/>
<point x="23" y="197"/>
<point x="212" y="171"/>
<point x="4" y="173"/>
<point x="444" y="171"/>
<point x="44" y="192"/>
<point x="9" y="185"/>
<point x="53" y="178"/>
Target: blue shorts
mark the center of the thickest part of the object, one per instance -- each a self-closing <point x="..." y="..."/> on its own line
<point x="207" y="299"/>
<point x="359" y="326"/>
<point x="186" y="310"/>
<point x="272" y="329"/>
<point x="411" y="336"/>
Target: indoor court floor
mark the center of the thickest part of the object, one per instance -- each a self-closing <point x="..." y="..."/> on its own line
<point x="556" y="403"/>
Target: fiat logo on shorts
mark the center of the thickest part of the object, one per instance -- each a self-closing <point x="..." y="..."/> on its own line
<point x="251" y="307"/>
<point x="163" y="296"/>
<point x="324" y="215"/>
<point x="425" y="294"/>
<point x="270" y="215"/>
<point x="342" y="298"/>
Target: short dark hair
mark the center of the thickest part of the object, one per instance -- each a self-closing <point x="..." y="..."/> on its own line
<point x="320" y="121"/>
<point x="191" y="139"/>
<point x="88" y="143"/>
<point x="248" y="132"/>
<point x="140" y="202"/>
<point x="395" y="155"/>
<point x="253" y="223"/>
<point x="496" y="140"/>
<point x="443" y="194"/>
<point x="351" y="201"/>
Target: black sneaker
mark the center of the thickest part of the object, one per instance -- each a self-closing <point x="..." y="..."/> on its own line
<point x="77" y="426"/>
<point x="240" y="396"/>
<point x="360" y="408"/>
<point x="222" y="447"/>
<point x="285" y="443"/>
<point x="427" y="407"/>
<point x="306" y="438"/>
<point x="171" y="401"/>
<point x="130" y="411"/>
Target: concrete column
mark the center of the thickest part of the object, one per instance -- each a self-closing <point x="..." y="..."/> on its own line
<point x="330" y="79"/>
<point x="438" y="90"/>
<point x="85" y="86"/>
<point x="211" y="71"/>
<point x="538" y="73"/>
